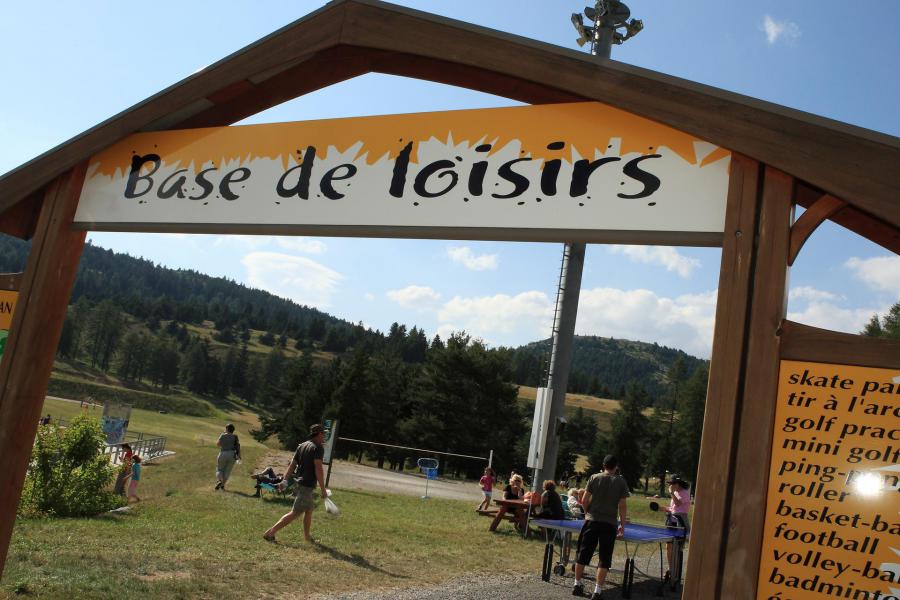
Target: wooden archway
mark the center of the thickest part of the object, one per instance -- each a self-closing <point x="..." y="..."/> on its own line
<point x="782" y="158"/>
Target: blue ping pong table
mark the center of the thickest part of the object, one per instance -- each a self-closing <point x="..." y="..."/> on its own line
<point x="636" y="534"/>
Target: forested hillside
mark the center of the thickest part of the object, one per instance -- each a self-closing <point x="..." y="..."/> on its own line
<point x="147" y="291"/>
<point x="604" y="366"/>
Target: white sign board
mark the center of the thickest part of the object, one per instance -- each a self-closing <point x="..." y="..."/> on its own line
<point x="580" y="171"/>
<point x="539" y="427"/>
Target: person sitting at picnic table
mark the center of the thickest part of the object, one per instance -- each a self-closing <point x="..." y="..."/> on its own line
<point x="515" y="490"/>
<point x="574" y="503"/>
<point x="551" y="503"/>
<point x="677" y="513"/>
<point x="268" y="477"/>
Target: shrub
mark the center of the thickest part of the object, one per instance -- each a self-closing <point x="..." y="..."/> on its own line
<point x="69" y="473"/>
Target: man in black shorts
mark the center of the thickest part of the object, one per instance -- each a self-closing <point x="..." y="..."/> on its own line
<point x="603" y="498"/>
<point x="308" y="464"/>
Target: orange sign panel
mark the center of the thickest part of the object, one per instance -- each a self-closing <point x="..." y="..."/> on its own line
<point x="7" y="306"/>
<point x="832" y="527"/>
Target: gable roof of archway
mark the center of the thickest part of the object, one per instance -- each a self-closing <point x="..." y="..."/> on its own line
<point x="347" y="38"/>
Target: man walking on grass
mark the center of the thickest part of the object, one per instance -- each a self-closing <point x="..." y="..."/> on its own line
<point x="307" y="462"/>
<point x="603" y="498"/>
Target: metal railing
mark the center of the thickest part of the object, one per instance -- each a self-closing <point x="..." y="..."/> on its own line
<point x="147" y="445"/>
<point x="147" y="448"/>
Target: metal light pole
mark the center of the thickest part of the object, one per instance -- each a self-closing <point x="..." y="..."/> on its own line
<point x="606" y="16"/>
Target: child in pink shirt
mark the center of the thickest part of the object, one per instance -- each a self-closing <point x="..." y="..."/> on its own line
<point x="678" y="510"/>
<point x="487" y="488"/>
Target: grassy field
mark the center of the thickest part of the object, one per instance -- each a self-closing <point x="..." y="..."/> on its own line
<point x="602" y="409"/>
<point x="185" y="540"/>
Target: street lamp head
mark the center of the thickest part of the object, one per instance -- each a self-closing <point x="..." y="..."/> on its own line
<point x="585" y="34"/>
<point x="632" y="28"/>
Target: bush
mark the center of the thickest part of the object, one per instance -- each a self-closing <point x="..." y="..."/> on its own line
<point x="69" y="473"/>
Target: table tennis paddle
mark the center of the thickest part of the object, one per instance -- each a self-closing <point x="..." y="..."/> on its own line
<point x="654" y="506"/>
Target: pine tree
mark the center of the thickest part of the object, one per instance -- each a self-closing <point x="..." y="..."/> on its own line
<point x="193" y="367"/>
<point x="629" y="428"/>
<point x="690" y="426"/>
<point x="131" y="355"/>
<point x="271" y="389"/>
<point x="250" y="391"/>
<point x="104" y="326"/>
<point x="226" y="374"/>
<point x="578" y="435"/>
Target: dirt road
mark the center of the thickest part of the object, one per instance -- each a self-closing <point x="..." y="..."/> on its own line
<point x="349" y="475"/>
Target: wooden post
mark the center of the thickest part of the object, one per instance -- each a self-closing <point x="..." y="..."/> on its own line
<point x="715" y="475"/>
<point x="37" y="323"/>
<point x="753" y="451"/>
<point x="10" y="282"/>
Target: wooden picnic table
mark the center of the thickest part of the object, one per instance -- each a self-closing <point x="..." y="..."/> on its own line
<point x="518" y="507"/>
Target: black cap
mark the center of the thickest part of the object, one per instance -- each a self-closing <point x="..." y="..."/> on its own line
<point x="676" y="479"/>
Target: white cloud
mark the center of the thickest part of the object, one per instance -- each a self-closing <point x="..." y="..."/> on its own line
<point x="369" y="296"/>
<point x="829" y="316"/>
<point x="296" y="277"/>
<point x="685" y="322"/>
<point x="302" y="244"/>
<point x="810" y="294"/>
<point x="473" y="262"/>
<point x="248" y="241"/>
<point x="665" y="256"/>
<point x="880" y="273"/>
<point x="775" y="30"/>
<point x="415" y="296"/>
<point x="487" y="316"/>
<point x="446" y="330"/>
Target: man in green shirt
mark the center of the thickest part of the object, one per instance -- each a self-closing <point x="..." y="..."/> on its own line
<point x="604" y="497"/>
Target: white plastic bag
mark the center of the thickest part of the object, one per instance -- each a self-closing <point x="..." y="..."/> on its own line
<point x="331" y="508"/>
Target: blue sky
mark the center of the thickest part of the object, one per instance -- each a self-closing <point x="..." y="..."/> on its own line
<point x="68" y="66"/>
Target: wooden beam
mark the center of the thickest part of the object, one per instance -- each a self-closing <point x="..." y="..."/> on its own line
<point x="314" y="72"/>
<point x="823" y="208"/>
<point x="812" y="344"/>
<point x="715" y="474"/>
<point x="10" y="282"/>
<point x="474" y="78"/>
<point x="37" y="323"/>
<point x="21" y="219"/>
<point x="760" y="386"/>
<point x="859" y="222"/>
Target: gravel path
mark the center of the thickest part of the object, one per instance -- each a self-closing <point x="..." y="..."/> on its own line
<point x="502" y="587"/>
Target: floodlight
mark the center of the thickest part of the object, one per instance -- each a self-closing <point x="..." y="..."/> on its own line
<point x="591" y="13"/>
<point x="632" y="28"/>
<point x="617" y="12"/>
<point x="586" y="34"/>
